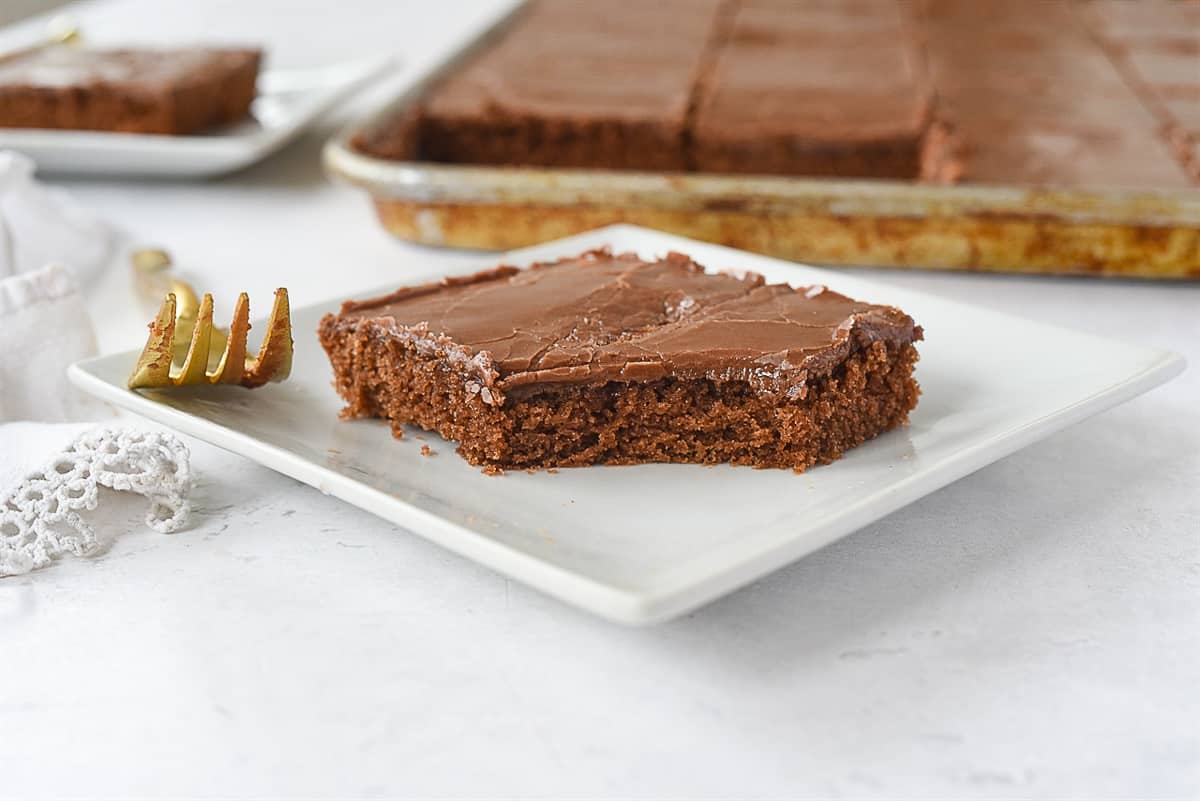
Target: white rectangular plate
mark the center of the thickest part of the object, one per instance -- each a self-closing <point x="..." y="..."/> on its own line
<point x="288" y="101"/>
<point x="646" y="543"/>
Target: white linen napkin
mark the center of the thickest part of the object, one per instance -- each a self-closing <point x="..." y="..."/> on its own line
<point x="41" y="225"/>
<point x="48" y="247"/>
<point x="44" y="327"/>
<point x="52" y="475"/>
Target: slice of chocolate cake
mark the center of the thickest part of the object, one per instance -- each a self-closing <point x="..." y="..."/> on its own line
<point x="168" y="91"/>
<point x="611" y="359"/>
<point x="820" y="89"/>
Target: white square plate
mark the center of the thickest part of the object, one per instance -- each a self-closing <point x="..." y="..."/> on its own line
<point x="646" y="543"/>
<point x="288" y="101"/>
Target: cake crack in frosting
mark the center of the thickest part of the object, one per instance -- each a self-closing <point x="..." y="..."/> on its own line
<point x="602" y="317"/>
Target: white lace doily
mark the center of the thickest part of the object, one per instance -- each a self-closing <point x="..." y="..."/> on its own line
<point x="40" y="517"/>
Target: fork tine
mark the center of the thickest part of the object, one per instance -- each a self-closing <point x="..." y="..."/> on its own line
<point x="233" y="361"/>
<point x="195" y="364"/>
<point x="274" y="362"/>
<point x="154" y="365"/>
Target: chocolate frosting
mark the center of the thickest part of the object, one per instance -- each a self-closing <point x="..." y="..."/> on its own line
<point x="599" y="317"/>
<point x="815" y="72"/>
<point x="573" y="62"/>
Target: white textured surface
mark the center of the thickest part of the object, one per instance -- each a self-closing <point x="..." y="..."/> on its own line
<point x="1030" y="631"/>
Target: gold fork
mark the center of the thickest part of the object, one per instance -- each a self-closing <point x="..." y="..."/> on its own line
<point x="185" y="349"/>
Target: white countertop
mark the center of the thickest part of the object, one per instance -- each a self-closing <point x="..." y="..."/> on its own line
<point x="1030" y="631"/>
